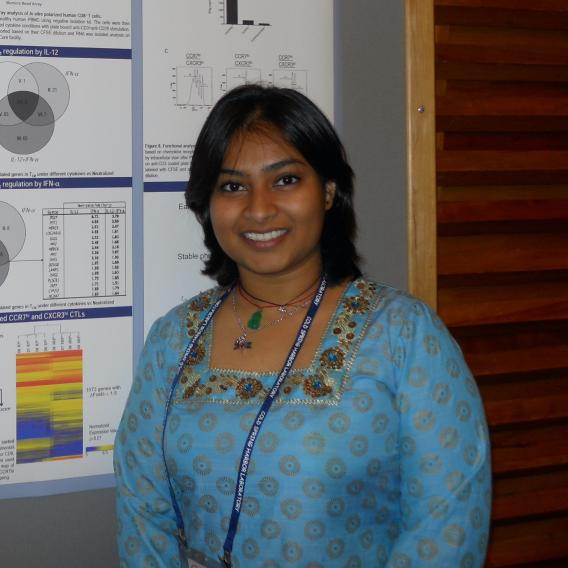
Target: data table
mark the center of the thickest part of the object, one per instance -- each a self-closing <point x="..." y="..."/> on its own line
<point x="84" y="250"/>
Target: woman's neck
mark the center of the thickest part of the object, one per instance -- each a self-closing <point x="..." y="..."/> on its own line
<point x="279" y="289"/>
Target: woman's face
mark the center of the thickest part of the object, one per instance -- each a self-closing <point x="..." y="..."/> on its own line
<point x="268" y="206"/>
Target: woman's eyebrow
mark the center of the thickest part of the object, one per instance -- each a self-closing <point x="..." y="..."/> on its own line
<point x="232" y="172"/>
<point x="268" y="168"/>
<point x="282" y="164"/>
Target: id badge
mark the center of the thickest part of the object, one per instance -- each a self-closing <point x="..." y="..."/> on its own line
<point x="196" y="559"/>
<point x="194" y="564"/>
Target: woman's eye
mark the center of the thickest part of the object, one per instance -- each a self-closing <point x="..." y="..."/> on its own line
<point x="287" y="180"/>
<point x="232" y="187"/>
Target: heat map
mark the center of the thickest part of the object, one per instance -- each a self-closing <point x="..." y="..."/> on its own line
<point x="49" y="401"/>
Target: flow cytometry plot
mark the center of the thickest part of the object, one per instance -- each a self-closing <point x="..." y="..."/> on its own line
<point x="296" y="79"/>
<point x="236" y="77"/>
<point x="193" y="86"/>
<point x="12" y="237"/>
<point x="37" y="94"/>
<point x="49" y="398"/>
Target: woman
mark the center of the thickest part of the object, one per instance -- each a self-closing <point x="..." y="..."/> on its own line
<point x="375" y="451"/>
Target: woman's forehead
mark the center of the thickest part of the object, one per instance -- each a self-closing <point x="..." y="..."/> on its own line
<point x="259" y="144"/>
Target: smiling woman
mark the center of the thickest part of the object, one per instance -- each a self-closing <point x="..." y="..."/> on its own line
<point x="268" y="208"/>
<point x="283" y="119"/>
<point x="330" y="419"/>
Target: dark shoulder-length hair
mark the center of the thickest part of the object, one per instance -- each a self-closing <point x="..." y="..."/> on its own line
<point x="303" y="125"/>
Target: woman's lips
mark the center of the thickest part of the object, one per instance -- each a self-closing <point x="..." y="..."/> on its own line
<point x="265" y="236"/>
<point x="264" y="239"/>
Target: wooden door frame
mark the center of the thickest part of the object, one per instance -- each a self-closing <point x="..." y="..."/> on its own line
<point x="421" y="149"/>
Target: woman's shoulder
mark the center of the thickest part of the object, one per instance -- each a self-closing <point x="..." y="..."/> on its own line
<point x="399" y="315"/>
<point x="387" y="300"/>
<point x="411" y="335"/>
<point x="186" y="314"/>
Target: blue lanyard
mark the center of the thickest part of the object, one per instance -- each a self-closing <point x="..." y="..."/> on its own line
<point x="189" y="352"/>
<point x="257" y="424"/>
<point x="260" y="417"/>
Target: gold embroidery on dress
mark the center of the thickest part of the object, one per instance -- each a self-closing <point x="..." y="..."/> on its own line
<point x="323" y="382"/>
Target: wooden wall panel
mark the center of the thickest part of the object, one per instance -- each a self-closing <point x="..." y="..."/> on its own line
<point x="501" y="79"/>
<point x="421" y="149"/>
<point x="516" y="14"/>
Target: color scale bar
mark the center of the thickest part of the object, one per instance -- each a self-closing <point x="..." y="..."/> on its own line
<point x="107" y="448"/>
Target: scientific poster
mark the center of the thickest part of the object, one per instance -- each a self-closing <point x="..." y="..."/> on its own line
<point x="216" y="46"/>
<point x="68" y="206"/>
<point x="65" y="235"/>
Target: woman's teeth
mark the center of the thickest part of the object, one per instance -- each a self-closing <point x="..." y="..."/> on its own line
<point x="265" y="236"/>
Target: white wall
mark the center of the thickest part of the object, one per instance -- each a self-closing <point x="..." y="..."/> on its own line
<point x="372" y="124"/>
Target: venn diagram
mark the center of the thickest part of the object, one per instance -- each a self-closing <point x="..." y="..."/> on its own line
<point x="37" y="94"/>
<point x="12" y="237"/>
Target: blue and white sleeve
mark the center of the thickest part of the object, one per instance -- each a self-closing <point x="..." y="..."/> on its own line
<point x="146" y="520"/>
<point x="445" y="452"/>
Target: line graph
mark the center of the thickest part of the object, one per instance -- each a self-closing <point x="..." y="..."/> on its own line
<point x="296" y="79"/>
<point x="194" y="86"/>
<point x="236" y="77"/>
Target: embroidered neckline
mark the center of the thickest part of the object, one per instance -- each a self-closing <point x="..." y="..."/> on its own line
<point x="208" y="340"/>
<point x="322" y="382"/>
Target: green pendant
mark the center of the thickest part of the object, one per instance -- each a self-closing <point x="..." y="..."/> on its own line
<point x="255" y="319"/>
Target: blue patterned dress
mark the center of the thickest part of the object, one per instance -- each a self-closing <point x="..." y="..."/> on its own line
<point x="377" y="454"/>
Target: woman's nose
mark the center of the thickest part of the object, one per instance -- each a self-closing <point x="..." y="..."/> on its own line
<point x="261" y="206"/>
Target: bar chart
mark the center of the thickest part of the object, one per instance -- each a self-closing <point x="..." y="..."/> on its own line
<point x="232" y="15"/>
